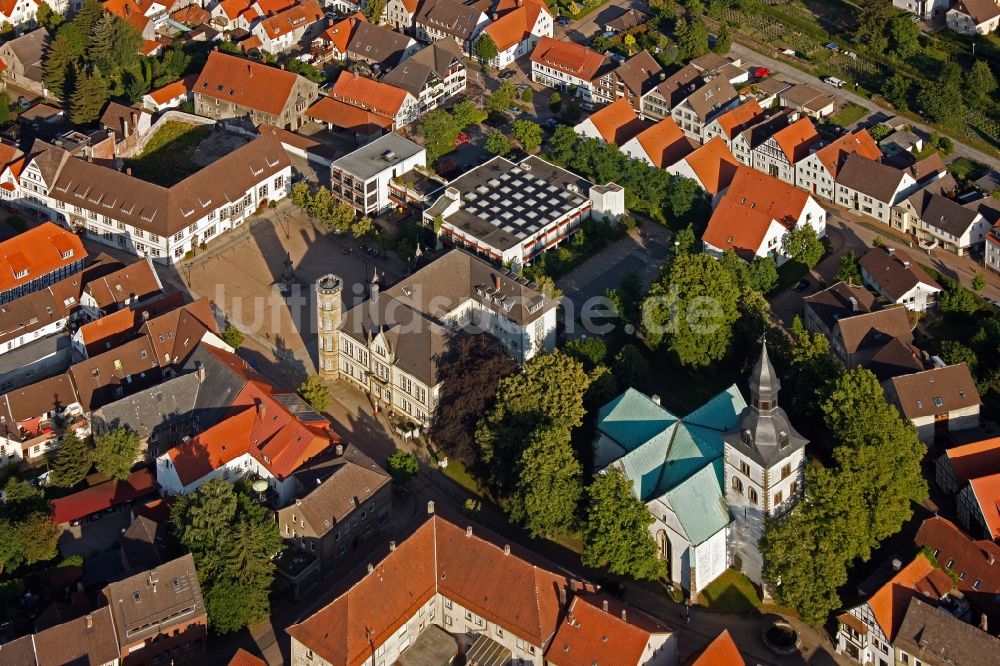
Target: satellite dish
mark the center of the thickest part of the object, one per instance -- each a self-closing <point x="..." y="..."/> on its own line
<point x="260" y="485"/>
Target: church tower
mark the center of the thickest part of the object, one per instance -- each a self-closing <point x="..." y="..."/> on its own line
<point x="329" y="309"/>
<point x="764" y="466"/>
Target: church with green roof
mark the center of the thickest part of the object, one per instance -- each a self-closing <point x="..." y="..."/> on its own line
<point x="708" y="478"/>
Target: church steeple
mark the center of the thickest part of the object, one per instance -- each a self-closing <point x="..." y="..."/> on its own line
<point x="764" y="383"/>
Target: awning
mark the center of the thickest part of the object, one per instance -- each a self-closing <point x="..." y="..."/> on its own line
<point x="487" y="652"/>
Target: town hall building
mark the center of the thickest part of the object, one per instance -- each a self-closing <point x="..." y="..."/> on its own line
<point x="708" y="478"/>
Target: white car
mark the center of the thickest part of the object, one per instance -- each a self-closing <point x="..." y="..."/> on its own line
<point x="833" y="81"/>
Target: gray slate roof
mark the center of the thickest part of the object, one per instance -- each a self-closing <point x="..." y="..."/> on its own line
<point x="449" y="16"/>
<point x="143" y="544"/>
<point x="334" y="488"/>
<point x="938" y="638"/>
<point x="943" y="213"/>
<point x="376" y="43"/>
<point x="426" y="64"/>
<point x="870" y="177"/>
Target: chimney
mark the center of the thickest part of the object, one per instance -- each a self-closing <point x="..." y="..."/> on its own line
<point x="374" y="287"/>
<point x="339" y="449"/>
<point x="506" y="549"/>
<point x="392" y="546"/>
<point x="983" y="622"/>
<point x="90" y="158"/>
<point x="624" y="618"/>
<point x="989" y="556"/>
<point x="496" y="281"/>
<point x="663" y="76"/>
<point x="215" y="48"/>
<point x="854" y="304"/>
<point x="891" y="251"/>
<point x="906" y="264"/>
<point x="430" y="506"/>
<point x="135" y="119"/>
<point x="261" y="409"/>
<point x="655" y="398"/>
<point x="90" y="621"/>
<point x="282" y="65"/>
<point x="896" y="564"/>
<point x="128" y="172"/>
<point x="468" y="531"/>
<point x="371" y="567"/>
<point x="562" y="597"/>
<point x="604" y="605"/>
<point x="145" y="315"/>
<point x="200" y="371"/>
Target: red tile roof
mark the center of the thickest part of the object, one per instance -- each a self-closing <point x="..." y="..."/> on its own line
<point x="975" y="561"/>
<point x="617" y="122"/>
<point x="568" y="57"/>
<point x="736" y="120"/>
<point x="245" y="82"/>
<point x="795" y="139"/>
<point x="987" y="493"/>
<point x="714" y="165"/>
<point x="182" y="86"/>
<point x="664" y="143"/>
<point x="889" y="602"/>
<point x="973" y="459"/>
<point x="270" y="7"/>
<point x="722" y="651"/>
<point x="833" y="155"/>
<point x="103" y="496"/>
<point x="367" y="94"/>
<point x="516" y="25"/>
<point x="595" y="632"/>
<point x="233" y="8"/>
<point x="344" y="115"/>
<point x="289" y="20"/>
<point x="339" y="34"/>
<point x="244" y="658"/>
<point x="39" y="251"/>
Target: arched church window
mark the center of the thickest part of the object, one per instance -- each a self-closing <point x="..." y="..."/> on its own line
<point x="737" y="485"/>
<point x="752" y="496"/>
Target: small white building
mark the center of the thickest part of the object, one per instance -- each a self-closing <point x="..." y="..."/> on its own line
<point x="924" y="9"/>
<point x="974" y="17"/>
<point x="516" y="32"/>
<point x="871" y="188"/>
<point x="941" y="400"/>
<point x="567" y="65"/>
<point x="362" y="178"/>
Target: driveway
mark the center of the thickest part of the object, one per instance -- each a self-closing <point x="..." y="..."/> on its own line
<point x="793" y="75"/>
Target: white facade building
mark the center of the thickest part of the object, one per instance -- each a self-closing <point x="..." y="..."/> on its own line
<point x="362" y="177"/>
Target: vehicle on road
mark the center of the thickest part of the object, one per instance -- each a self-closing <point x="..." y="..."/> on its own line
<point x="550" y="124"/>
<point x="762" y="72"/>
<point x="507" y="74"/>
<point x="801" y="285"/>
<point x="833" y="81"/>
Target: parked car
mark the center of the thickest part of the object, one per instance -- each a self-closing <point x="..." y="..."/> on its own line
<point x="515" y="110"/>
<point x="762" y="72"/>
<point x="507" y="74"/>
<point x="563" y="20"/>
<point x="550" y="124"/>
<point x="801" y="285"/>
<point x="833" y="81"/>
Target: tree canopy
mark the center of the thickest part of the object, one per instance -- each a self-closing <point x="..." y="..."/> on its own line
<point x="72" y="462"/>
<point x="548" y="487"/>
<point x="803" y="245"/>
<point x="402" y="466"/>
<point x="316" y="393"/>
<point x="617" y="533"/>
<point x="486" y="49"/>
<point x="116" y="451"/>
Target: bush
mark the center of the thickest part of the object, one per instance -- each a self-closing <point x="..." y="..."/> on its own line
<point x="402" y="466"/>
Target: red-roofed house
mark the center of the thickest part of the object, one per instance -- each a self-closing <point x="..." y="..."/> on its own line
<point x="333" y="41"/>
<point x="560" y="64"/>
<point x="732" y="122"/>
<point x="722" y="651"/>
<point x="712" y="165"/>
<point x="961" y="463"/>
<point x="290" y="27"/>
<point x="661" y="145"/>
<point x="516" y="32"/>
<point x="615" y="123"/>
<point x="103" y="496"/>
<point x="866" y="632"/>
<point x="493" y="598"/>
<point x="244" y="658"/>
<point x="979" y="506"/>
<point x="778" y="155"/>
<point x="143" y="15"/>
<point x="817" y="172"/>
<point x="37" y="258"/>
<point x="21" y="14"/>
<point x="11" y="163"/>
<point x="171" y="95"/>
<point x="376" y="98"/>
<point x="756" y="213"/>
<point x="264" y="434"/>
<point x="234" y="14"/>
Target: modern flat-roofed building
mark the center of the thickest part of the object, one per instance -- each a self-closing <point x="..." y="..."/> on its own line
<point x="363" y="178"/>
<point x="511" y="212"/>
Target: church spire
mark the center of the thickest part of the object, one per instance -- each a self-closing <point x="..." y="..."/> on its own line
<point x="764" y="383"/>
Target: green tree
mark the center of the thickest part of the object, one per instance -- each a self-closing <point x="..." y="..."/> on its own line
<point x="811" y="370"/>
<point x="591" y="352"/>
<point x="873" y="24"/>
<point x="617" y="533"/>
<point x="200" y="520"/>
<point x="65" y="50"/>
<point x="978" y="282"/>
<point x="89" y="97"/>
<point x="86" y="19"/>
<point x="72" y="462"/>
<point x="227" y="603"/>
<point x="692" y="310"/>
<point x="849" y="270"/>
<point x="896" y="91"/>
<point x="39" y="538"/>
<point x="723" y="40"/>
<point x="232" y="337"/>
<point x="547" y="393"/>
<point x="316" y="393"/>
<point x="4" y="110"/>
<point x="528" y="134"/>
<point x="115" y="452"/>
<point x="302" y="195"/>
<point x="937" y="101"/>
<point x="763" y="274"/>
<point x="956" y="299"/>
<point x="803" y="245"/>
<point x="402" y="466"/>
<point x="47" y="18"/>
<point x="694" y="40"/>
<point x="21" y="498"/>
<point x="466" y="114"/>
<point x="685" y="240"/>
<point x="502" y="98"/>
<point x="548" y="487"/>
<point x="497" y="143"/>
<point x="469" y="372"/>
<point x="528" y="95"/>
<point x="954" y="352"/>
<point x="439" y="130"/>
<point x="561" y="145"/>
<point x="374" y="9"/>
<point x="363" y="226"/>
<point x="632" y="369"/>
<point x="905" y="36"/>
<point x="555" y="102"/>
<point x="980" y="84"/>
<point x="486" y="49"/>
<point x="11" y="556"/>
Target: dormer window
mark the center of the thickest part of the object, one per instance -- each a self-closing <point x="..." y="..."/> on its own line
<point x="21" y="274"/>
<point x="782" y="439"/>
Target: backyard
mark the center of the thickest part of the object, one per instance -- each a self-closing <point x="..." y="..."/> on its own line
<point x="169" y="156"/>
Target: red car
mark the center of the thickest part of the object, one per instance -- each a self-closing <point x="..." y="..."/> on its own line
<point x="762" y="72"/>
<point x="461" y="138"/>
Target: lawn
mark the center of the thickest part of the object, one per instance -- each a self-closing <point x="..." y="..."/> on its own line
<point x="789" y="273"/>
<point x="456" y="472"/>
<point x="732" y="592"/>
<point x="166" y="160"/>
<point x="850" y="114"/>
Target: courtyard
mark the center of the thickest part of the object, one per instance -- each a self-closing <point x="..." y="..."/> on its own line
<point x="178" y="150"/>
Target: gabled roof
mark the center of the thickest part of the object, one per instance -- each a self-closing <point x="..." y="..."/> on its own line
<point x="894" y="272"/>
<point x="708" y="98"/>
<point x="943" y="213"/>
<point x="936" y="391"/>
<point x="735" y="120"/>
<point x="169" y="594"/>
<point x="233" y="8"/>
<point x="870" y="177"/>
<point x="450" y="17"/>
<point x="873" y="329"/>
<point x="679" y="85"/>
<point x="839" y="301"/>
<point x="30" y="47"/>
<point x="722" y="651"/>
<point x="833" y="155"/>
<point x="182" y="86"/>
<point x="244" y="658"/>
<point x="86" y="640"/>
<point x="714" y="165"/>
<point x="515" y="26"/>
<point x="699" y="504"/>
<point x="975" y="561"/>
<point x="339" y="34"/>
<point x="595" y="631"/>
<point x="980" y="11"/>
<point x="428" y="66"/>
<point x="103" y="496"/>
<point x="986" y="490"/>
<point x="569" y="57"/>
<point x="942" y="639"/>
<point x="334" y="488"/>
<point x="137" y="281"/>
<point x="640" y="73"/>
<point x="381" y="98"/>
<point x="889" y="602"/>
<point x="796" y="139"/>
<point x="36" y="252"/>
<point x="297" y="17"/>
<point x="617" y="122"/>
<point x="378" y="44"/>
<point x="347" y="116"/>
<point x="664" y="143"/>
<point x="246" y="82"/>
<point x="970" y="460"/>
<point x="31" y="401"/>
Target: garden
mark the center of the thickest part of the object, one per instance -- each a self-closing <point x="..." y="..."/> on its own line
<point x="168" y="156"/>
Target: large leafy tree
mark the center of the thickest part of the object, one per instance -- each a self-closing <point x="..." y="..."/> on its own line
<point x="528" y="134"/>
<point x="692" y="310"/>
<point x="803" y="244"/>
<point x="548" y="487"/>
<point x="548" y="393"/>
<point x="980" y="83"/>
<point x="39" y="538"/>
<point x="47" y="18"/>
<point x="470" y="372"/>
<point x="73" y="461"/>
<point x="486" y="49"/>
<point x="501" y="98"/>
<point x="440" y="130"/>
<point x="316" y="393"/>
<point x="116" y="451"/>
<point x="617" y="533"/>
<point x="905" y="36"/>
<point x="812" y="367"/>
